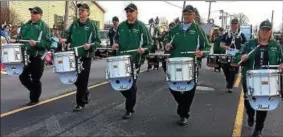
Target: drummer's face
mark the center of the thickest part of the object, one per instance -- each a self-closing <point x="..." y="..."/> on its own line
<point x="35" y="16"/>
<point x="265" y="33"/>
<point x="131" y="14"/>
<point x="189" y="17"/>
<point x="234" y="26"/>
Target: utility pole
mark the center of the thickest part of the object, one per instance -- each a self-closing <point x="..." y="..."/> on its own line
<point x="272" y="17"/>
<point x="222" y="17"/>
<point x="209" y="9"/>
<point x="184" y="5"/>
<point x="66" y="15"/>
<point x="282" y="19"/>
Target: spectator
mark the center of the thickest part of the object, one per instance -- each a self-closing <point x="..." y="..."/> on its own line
<point x="5" y="32"/>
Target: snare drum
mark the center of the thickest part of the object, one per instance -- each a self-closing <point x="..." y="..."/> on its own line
<point x="118" y="67"/>
<point x="263" y="88"/>
<point x="224" y="58"/>
<point x="181" y="69"/>
<point x="212" y="60"/>
<point x="12" y="53"/>
<point x="64" y="62"/>
<point x="14" y="57"/>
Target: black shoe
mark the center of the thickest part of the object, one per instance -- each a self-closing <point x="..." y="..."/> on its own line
<point x="183" y="121"/>
<point x="127" y="115"/>
<point x="257" y="133"/>
<point x="31" y="103"/>
<point x="229" y="90"/>
<point x="78" y="108"/>
<point x="250" y="122"/>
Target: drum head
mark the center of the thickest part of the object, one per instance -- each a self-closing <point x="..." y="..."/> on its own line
<point x="182" y="86"/>
<point x="7" y="45"/>
<point x="122" y="84"/>
<point x="14" y="69"/>
<point x="68" y="77"/>
<point x="265" y="103"/>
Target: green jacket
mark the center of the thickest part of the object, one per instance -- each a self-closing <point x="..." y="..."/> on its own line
<point x="130" y="38"/>
<point x="274" y="51"/>
<point x="32" y="31"/>
<point x="187" y="41"/>
<point x="216" y="46"/>
<point x="79" y="34"/>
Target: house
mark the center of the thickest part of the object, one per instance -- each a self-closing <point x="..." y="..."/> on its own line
<point x="53" y="12"/>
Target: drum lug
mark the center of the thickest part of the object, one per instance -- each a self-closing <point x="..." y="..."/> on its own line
<point x="106" y="74"/>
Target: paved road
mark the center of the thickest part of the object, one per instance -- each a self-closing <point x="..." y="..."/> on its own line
<point x="213" y="113"/>
<point x="14" y="94"/>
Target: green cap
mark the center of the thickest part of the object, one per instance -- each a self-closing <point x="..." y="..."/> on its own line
<point x="83" y="5"/>
<point x="234" y="21"/>
<point x="265" y="24"/>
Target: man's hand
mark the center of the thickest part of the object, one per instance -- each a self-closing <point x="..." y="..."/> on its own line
<point x="168" y="47"/>
<point x="62" y="41"/>
<point x="86" y="46"/>
<point x="115" y="46"/>
<point x="32" y="43"/>
<point x="281" y="67"/>
<point x="140" y="51"/>
<point x="199" y="53"/>
<point x="227" y="48"/>
<point x="244" y="57"/>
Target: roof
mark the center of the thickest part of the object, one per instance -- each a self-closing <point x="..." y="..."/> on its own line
<point x="102" y="9"/>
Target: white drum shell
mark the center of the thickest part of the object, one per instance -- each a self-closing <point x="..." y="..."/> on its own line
<point x="11" y="53"/>
<point x="180" y="69"/>
<point x="118" y="67"/>
<point x="263" y="82"/>
<point x="64" y="62"/>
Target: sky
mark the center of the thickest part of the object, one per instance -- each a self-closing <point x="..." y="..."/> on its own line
<point x="256" y="11"/>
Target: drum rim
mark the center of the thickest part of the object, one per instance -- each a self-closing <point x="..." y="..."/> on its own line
<point x="266" y="71"/>
<point x="188" y="58"/>
<point x="64" y="52"/>
<point x="12" y="44"/>
<point x="117" y="57"/>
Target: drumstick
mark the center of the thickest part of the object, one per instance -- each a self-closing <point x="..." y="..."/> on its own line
<point x="76" y="48"/>
<point x="185" y="52"/>
<point x="249" y="53"/>
<point x="133" y="50"/>
<point x="27" y="41"/>
<point x="172" y="39"/>
<point x="270" y="66"/>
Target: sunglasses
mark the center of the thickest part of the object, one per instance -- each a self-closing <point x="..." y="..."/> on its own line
<point x="265" y="29"/>
<point x="188" y="14"/>
<point x="129" y="11"/>
<point x="34" y="12"/>
<point x="82" y="10"/>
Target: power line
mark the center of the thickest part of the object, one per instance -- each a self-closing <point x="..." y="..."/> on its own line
<point x="173" y="4"/>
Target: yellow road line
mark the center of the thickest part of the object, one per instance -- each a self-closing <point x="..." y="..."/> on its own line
<point x="48" y="100"/>
<point x="51" y="99"/>
<point x="237" y="131"/>
<point x="238" y="80"/>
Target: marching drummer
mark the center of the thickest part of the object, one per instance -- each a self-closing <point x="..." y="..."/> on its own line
<point x="112" y="31"/>
<point x="34" y="29"/>
<point x="128" y="37"/>
<point x="83" y="31"/>
<point x="256" y="60"/>
<point x="156" y="36"/>
<point x="185" y="40"/>
<point x="232" y="40"/>
<point x="216" y="39"/>
<point x="165" y="33"/>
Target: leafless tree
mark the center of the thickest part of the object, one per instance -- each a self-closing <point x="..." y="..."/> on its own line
<point x="243" y="19"/>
